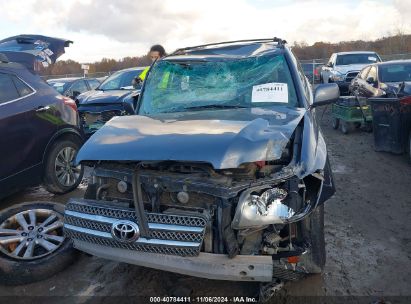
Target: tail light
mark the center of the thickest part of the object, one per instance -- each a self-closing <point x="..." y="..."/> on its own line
<point x="70" y="102"/>
<point x="316" y="72"/>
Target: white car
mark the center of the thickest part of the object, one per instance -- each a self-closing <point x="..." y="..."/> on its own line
<point x="344" y="66"/>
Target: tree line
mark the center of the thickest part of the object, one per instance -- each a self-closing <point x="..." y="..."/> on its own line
<point x="396" y="44"/>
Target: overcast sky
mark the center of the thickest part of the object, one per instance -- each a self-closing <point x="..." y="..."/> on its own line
<point x="120" y="28"/>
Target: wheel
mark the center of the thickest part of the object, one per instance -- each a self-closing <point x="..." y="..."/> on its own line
<point x="345" y="127"/>
<point x="336" y="123"/>
<point x="312" y="229"/>
<point x="32" y="245"/>
<point x="60" y="174"/>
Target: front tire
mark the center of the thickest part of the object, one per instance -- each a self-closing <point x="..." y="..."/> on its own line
<point x="336" y="123"/>
<point x="32" y="244"/>
<point x="313" y="231"/>
<point x="60" y="175"/>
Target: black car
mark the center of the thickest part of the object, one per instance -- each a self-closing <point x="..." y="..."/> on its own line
<point x="40" y="132"/>
<point x="223" y="173"/>
<point x="116" y="96"/>
<point x="74" y="86"/>
<point x="384" y="79"/>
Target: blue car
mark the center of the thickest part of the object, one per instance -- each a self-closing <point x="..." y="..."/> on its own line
<point x="116" y="96"/>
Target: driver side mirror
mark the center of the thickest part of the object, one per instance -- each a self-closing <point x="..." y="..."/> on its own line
<point x="325" y="94"/>
<point x="330" y="65"/>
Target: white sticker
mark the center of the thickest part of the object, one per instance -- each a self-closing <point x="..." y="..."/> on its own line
<point x="270" y="92"/>
<point x="48" y="52"/>
<point x="372" y="58"/>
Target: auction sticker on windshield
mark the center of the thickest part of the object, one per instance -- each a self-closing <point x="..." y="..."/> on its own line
<point x="270" y="92"/>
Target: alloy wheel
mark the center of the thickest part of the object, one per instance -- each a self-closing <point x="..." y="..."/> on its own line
<point x="31" y="234"/>
<point x="66" y="172"/>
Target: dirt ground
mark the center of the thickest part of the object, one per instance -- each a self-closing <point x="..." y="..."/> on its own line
<point x="368" y="240"/>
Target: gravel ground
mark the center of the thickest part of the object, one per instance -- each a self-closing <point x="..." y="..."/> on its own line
<point x="367" y="235"/>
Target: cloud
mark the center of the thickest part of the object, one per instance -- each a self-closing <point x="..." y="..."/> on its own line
<point x="118" y="27"/>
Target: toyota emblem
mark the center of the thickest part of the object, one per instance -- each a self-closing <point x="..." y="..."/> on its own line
<point x="125" y="231"/>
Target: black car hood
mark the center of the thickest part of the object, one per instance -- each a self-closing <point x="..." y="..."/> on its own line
<point x="223" y="138"/>
<point x="29" y="49"/>
<point x="103" y="97"/>
<point x="395" y="86"/>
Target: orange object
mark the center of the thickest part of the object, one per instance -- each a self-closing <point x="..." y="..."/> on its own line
<point x="293" y="259"/>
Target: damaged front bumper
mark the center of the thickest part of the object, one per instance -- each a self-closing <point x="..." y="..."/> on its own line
<point x="174" y="244"/>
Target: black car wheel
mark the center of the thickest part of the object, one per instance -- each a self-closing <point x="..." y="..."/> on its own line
<point x="60" y="174"/>
<point x="345" y="127"/>
<point x="336" y="123"/>
<point x="32" y="244"/>
<point x="313" y="231"/>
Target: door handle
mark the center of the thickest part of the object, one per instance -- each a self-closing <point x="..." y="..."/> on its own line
<point x="42" y="108"/>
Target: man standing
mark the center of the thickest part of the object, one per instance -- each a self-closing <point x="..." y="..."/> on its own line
<point x="156" y="52"/>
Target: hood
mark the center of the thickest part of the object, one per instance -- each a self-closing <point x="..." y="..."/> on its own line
<point x="103" y="97"/>
<point x="344" y="69"/>
<point x="223" y="138"/>
<point x="31" y="50"/>
<point x="403" y="87"/>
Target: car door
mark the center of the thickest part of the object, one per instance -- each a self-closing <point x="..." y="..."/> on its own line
<point x="15" y="130"/>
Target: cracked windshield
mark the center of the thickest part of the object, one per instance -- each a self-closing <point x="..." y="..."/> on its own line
<point x="185" y="86"/>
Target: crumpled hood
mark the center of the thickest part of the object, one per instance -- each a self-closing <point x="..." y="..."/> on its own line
<point x="224" y="138"/>
<point x="103" y="97"/>
<point x="344" y="69"/>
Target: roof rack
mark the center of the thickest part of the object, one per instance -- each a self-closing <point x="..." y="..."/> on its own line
<point x="279" y="41"/>
<point x="3" y="58"/>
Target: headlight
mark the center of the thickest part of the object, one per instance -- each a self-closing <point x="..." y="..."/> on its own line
<point x="261" y="210"/>
<point x="338" y="77"/>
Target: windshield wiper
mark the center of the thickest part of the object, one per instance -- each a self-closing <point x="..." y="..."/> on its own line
<point x="216" y="106"/>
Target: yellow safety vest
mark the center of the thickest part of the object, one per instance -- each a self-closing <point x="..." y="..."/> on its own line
<point x="164" y="81"/>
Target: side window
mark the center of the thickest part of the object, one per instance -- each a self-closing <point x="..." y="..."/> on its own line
<point x="364" y="72"/>
<point x="8" y="90"/>
<point x="78" y="86"/>
<point x="372" y="73"/>
<point x="22" y="88"/>
<point x="93" y="83"/>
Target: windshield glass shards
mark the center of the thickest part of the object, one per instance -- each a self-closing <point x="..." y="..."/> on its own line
<point x="175" y="86"/>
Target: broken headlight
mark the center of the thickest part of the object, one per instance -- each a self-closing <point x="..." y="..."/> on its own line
<point x="260" y="210"/>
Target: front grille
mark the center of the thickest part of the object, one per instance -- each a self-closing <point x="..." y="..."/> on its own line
<point x="350" y="76"/>
<point x="90" y="118"/>
<point x="125" y="213"/>
<point x="90" y="221"/>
